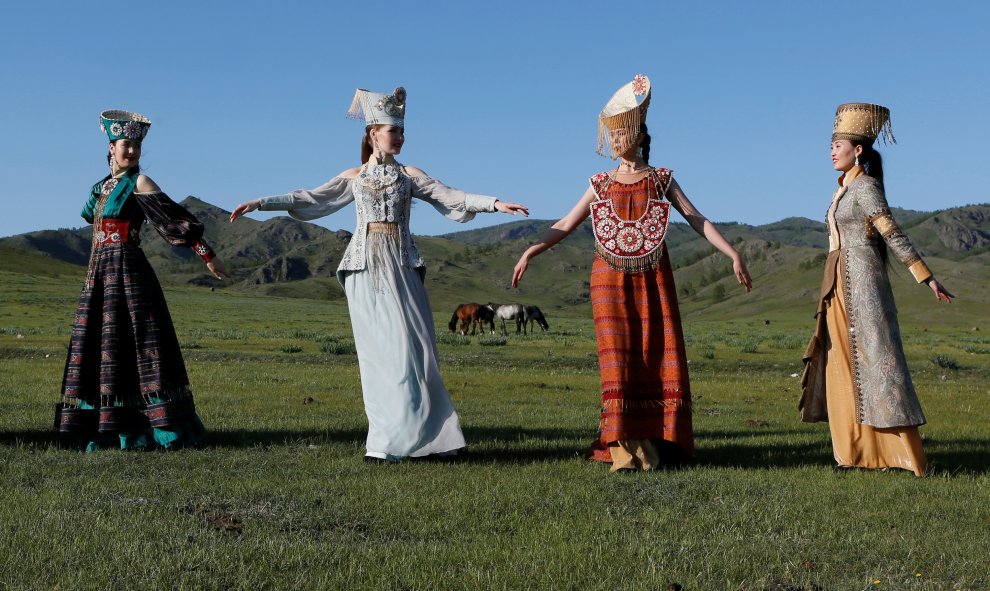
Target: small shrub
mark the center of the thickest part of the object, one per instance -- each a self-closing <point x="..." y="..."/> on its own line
<point x="290" y="349"/>
<point x="191" y="345"/>
<point x="749" y="347"/>
<point x="708" y="353"/>
<point x="452" y="338"/>
<point x="330" y="347"/>
<point x="493" y="341"/>
<point x="945" y="362"/>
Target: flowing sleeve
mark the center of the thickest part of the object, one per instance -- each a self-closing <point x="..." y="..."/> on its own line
<point x="878" y="214"/>
<point x="90" y="207"/>
<point x="316" y="203"/>
<point x="452" y="203"/>
<point x="174" y="223"/>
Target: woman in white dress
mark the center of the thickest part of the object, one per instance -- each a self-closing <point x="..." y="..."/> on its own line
<point x="410" y="413"/>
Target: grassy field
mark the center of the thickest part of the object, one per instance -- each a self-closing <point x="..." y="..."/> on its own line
<point x="278" y="497"/>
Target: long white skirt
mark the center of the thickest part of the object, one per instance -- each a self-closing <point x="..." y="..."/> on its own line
<point x="409" y="410"/>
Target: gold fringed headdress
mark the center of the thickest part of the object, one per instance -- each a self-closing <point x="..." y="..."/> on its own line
<point x="625" y="110"/>
<point x="863" y="122"/>
<point x="379" y="109"/>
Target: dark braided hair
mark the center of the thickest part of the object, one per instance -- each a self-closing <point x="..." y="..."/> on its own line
<point x="644" y="143"/>
<point x="870" y="160"/>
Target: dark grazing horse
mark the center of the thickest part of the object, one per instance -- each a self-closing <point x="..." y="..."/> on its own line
<point x="533" y="314"/>
<point x="509" y="312"/>
<point x="473" y="315"/>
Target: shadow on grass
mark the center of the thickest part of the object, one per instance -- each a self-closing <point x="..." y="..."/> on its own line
<point x="515" y="445"/>
<point x="248" y="438"/>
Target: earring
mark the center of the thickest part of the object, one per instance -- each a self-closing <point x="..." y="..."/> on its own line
<point x="857" y="160"/>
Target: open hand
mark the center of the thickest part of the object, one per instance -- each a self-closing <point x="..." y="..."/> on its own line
<point x="243" y="208"/>
<point x="217" y="268"/>
<point x="941" y="293"/>
<point x="511" y="208"/>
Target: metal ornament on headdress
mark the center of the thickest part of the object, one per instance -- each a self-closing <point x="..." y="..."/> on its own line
<point x="625" y="110"/>
<point x="379" y="109"/>
<point x="863" y="122"/>
<point x="124" y="125"/>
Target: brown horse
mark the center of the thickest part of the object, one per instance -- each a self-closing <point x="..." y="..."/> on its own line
<point x="473" y="315"/>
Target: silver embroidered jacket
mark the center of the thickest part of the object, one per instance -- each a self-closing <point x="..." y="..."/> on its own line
<point x="885" y="395"/>
<point x="382" y="193"/>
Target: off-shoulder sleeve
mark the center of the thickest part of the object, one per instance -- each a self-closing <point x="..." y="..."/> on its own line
<point x="879" y="217"/>
<point x="309" y="205"/>
<point x="452" y="203"/>
<point x="174" y="223"/>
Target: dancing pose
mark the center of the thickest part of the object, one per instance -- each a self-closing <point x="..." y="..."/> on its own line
<point x="410" y="413"/>
<point x="646" y="396"/>
<point x="855" y="376"/>
<point x="125" y="382"/>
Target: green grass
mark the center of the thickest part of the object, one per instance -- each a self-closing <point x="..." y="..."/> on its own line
<point x="278" y="497"/>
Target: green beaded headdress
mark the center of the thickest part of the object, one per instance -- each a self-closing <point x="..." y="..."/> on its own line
<point x="124" y="125"/>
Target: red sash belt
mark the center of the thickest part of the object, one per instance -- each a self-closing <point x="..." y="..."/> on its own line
<point x="115" y="230"/>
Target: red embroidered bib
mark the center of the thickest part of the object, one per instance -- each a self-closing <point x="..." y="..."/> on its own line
<point x="631" y="245"/>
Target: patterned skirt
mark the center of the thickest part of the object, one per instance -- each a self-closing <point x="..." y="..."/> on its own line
<point x="645" y="390"/>
<point x="125" y="382"/>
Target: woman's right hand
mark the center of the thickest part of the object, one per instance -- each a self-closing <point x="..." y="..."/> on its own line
<point x="243" y="208"/>
<point x="941" y="293"/>
<point x="519" y="270"/>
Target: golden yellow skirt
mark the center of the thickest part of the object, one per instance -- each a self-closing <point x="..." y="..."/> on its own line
<point x="853" y="444"/>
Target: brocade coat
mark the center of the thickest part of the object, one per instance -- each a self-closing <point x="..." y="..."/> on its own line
<point x="885" y="395"/>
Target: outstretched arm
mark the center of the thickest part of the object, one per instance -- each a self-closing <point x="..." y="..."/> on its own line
<point x="175" y="224"/>
<point x="709" y="232"/>
<point x="555" y="234"/>
<point x="305" y="205"/>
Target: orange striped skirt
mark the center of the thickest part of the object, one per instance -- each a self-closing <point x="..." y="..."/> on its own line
<point x="645" y="390"/>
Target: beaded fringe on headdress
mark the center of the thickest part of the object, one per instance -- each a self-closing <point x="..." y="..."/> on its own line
<point x="630" y="121"/>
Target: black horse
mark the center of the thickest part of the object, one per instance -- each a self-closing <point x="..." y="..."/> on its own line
<point x="533" y="314"/>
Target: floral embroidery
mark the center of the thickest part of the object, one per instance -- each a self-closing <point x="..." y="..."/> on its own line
<point x="132" y="130"/>
<point x="605" y="228"/>
<point x="109" y="186"/>
<point x="639" y="85"/>
<point x="629" y="239"/>
<point x="116" y="128"/>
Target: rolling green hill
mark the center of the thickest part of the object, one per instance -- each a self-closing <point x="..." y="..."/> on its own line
<point x="286" y="257"/>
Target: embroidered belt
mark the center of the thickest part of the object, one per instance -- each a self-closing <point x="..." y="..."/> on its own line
<point x="386" y="228"/>
<point x="115" y="230"/>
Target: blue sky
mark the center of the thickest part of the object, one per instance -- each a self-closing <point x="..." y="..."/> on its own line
<point x="248" y="98"/>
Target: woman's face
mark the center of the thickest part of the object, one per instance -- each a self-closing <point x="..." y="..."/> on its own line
<point x="623" y="142"/>
<point x="388" y="139"/>
<point x="126" y="153"/>
<point x="844" y="154"/>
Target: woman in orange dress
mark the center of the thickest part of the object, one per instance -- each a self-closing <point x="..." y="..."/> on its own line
<point x="856" y="376"/>
<point x="646" y="395"/>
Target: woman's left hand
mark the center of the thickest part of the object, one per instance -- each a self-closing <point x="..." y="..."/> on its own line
<point x="742" y="273"/>
<point x="941" y="293"/>
<point x="217" y="268"/>
<point x="511" y="208"/>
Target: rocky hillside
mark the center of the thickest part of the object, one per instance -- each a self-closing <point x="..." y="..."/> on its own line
<point x="286" y="257"/>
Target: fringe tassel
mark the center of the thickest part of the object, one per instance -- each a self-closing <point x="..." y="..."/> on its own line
<point x="630" y="121"/>
<point x="886" y="129"/>
<point x="355" y="111"/>
<point x="646" y="262"/>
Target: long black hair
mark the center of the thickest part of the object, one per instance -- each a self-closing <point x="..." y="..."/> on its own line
<point x="870" y="160"/>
